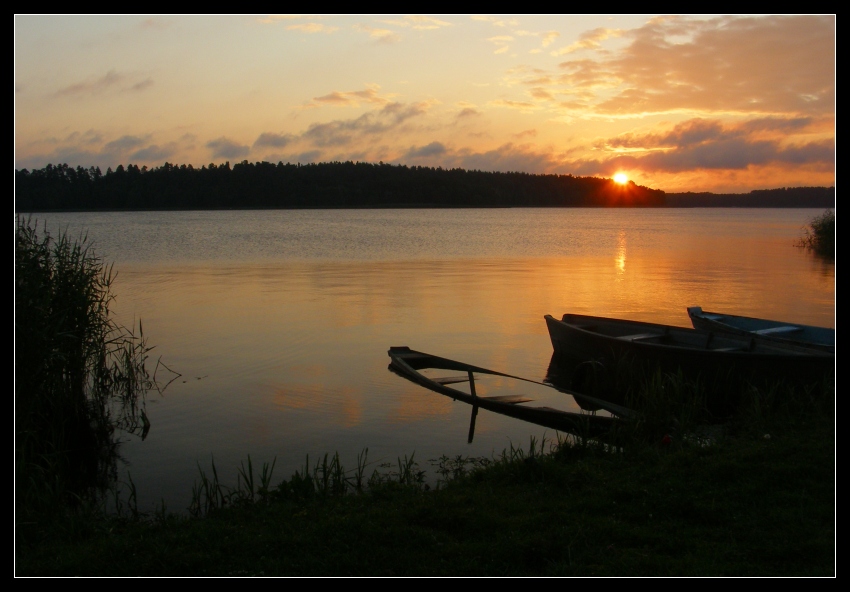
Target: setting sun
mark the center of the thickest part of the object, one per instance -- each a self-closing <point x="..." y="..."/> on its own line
<point x="621" y="178"/>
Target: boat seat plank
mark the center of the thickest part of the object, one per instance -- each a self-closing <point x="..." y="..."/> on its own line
<point x="640" y="336"/>
<point x="450" y="379"/>
<point x="776" y="330"/>
<point x="511" y="399"/>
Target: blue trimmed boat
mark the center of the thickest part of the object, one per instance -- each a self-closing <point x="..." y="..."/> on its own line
<point x="822" y="338"/>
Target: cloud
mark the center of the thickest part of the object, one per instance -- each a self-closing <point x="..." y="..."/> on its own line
<point x="154" y="153"/>
<point x="309" y="156"/>
<point x="507" y="158"/>
<point x="380" y="35"/>
<point x="496" y="21"/>
<point x="123" y="144"/>
<point x="711" y="145"/>
<point x="750" y="65"/>
<point x="530" y="133"/>
<point x="379" y="121"/>
<point x="432" y="149"/>
<point x="111" y="80"/>
<point x="353" y="98"/>
<point x="312" y="28"/>
<point x="590" y="40"/>
<point x="227" y="148"/>
<point x="92" y="86"/>
<point x="468" y="112"/>
<point x="274" y="140"/>
<point x="549" y="38"/>
<point x="702" y="131"/>
<point x="521" y="105"/>
<point x="418" y="22"/>
<point x="775" y="66"/>
<point x="88" y="149"/>
<point x="146" y="83"/>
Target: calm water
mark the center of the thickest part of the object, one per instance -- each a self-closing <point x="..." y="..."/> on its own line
<point x="280" y="321"/>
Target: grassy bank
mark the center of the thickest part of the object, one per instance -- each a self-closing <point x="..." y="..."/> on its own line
<point x="760" y="501"/>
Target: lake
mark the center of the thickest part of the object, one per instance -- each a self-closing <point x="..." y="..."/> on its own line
<point x="279" y="321"/>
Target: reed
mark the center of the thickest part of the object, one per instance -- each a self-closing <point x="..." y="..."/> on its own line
<point x="79" y="375"/>
<point x="819" y="235"/>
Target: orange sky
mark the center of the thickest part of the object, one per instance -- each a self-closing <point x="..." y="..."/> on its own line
<point x="679" y="103"/>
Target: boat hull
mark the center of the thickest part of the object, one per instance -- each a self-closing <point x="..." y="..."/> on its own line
<point x="718" y="360"/>
<point x="821" y="338"/>
<point x="407" y="363"/>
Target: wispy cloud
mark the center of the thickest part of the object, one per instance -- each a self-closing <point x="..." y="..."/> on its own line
<point x="589" y="40"/>
<point x="353" y="98"/>
<point x="375" y="122"/>
<point x="147" y="82"/>
<point x="154" y="153"/>
<point x="123" y="144"/>
<point x="112" y="80"/>
<point x="274" y="140"/>
<point x="520" y="105"/>
<point x="432" y="149"/>
<point x="418" y="22"/>
<point x="468" y="112"/>
<point x="496" y="21"/>
<point x="312" y="28"/>
<point x="379" y="35"/>
<point x="227" y="148"/>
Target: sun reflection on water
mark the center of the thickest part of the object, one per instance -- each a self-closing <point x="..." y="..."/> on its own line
<point x="621" y="253"/>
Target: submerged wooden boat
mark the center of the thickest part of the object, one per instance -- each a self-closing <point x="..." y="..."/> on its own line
<point x="822" y="338"/>
<point x="696" y="353"/>
<point x="410" y="364"/>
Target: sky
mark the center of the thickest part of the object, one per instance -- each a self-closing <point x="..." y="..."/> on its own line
<point x="676" y="102"/>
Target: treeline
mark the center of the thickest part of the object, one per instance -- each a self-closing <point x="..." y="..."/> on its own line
<point x="328" y="185"/>
<point x="355" y="185"/>
<point x="784" y="197"/>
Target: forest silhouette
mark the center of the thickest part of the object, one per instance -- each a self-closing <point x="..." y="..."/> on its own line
<point x="354" y="185"/>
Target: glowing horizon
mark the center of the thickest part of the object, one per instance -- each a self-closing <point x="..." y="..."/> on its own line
<point x="679" y="103"/>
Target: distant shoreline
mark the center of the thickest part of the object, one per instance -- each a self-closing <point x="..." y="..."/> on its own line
<point x="348" y="185"/>
<point x="743" y="206"/>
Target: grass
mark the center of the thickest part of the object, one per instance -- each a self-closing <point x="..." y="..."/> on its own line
<point x="819" y="235"/>
<point x="78" y="374"/>
<point x="759" y="500"/>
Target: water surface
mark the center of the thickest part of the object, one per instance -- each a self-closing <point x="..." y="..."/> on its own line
<point x="280" y="321"/>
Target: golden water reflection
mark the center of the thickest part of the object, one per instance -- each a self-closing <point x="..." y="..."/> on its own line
<point x="292" y="354"/>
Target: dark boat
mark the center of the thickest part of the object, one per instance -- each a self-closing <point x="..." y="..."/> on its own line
<point x="822" y="338"/>
<point x="410" y="364"/>
<point x="718" y="359"/>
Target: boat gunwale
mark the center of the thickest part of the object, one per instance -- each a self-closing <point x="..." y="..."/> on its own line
<point x="557" y="419"/>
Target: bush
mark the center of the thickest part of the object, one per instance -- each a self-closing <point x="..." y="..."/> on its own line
<point x="78" y="374"/>
<point x="820" y="235"/>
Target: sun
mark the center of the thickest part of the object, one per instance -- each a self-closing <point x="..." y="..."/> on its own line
<point x="621" y="178"/>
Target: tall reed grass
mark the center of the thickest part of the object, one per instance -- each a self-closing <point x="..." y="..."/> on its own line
<point x="79" y="375"/>
<point x="819" y="235"/>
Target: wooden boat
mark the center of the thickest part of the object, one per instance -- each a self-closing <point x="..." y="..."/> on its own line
<point x="410" y="364"/>
<point x="822" y="338"/>
<point x="697" y="353"/>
